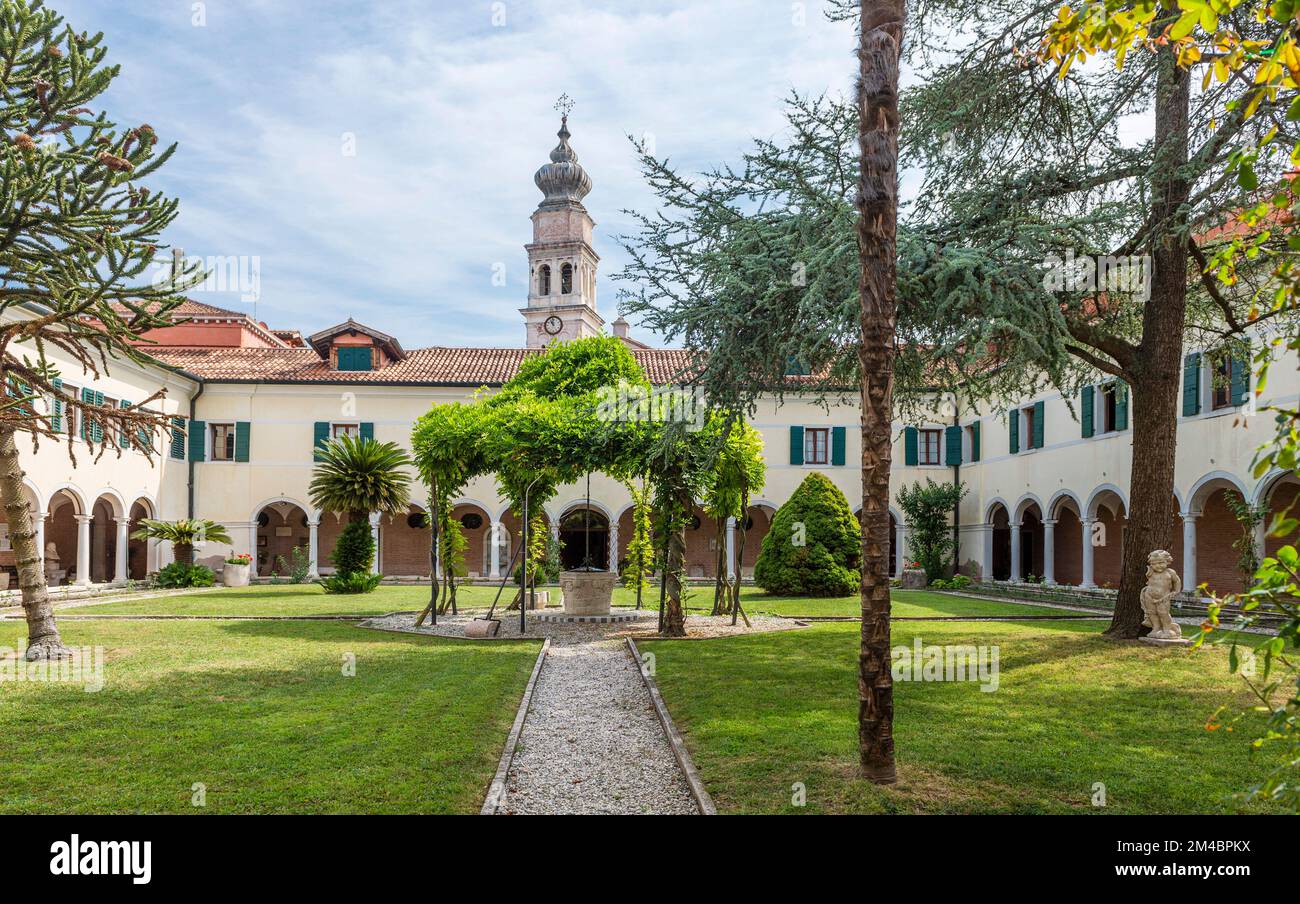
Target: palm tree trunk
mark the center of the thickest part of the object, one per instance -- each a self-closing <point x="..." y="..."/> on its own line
<point x="880" y="40"/>
<point x="43" y="641"/>
<point x="184" y="553"/>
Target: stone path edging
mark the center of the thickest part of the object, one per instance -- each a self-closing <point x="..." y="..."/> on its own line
<point x="497" y="789"/>
<point x="680" y="753"/>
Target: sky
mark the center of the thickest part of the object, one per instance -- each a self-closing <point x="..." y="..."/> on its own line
<point x="376" y="160"/>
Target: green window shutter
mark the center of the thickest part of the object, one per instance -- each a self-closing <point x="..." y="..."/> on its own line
<point x="837" y="445"/>
<point x="1121" y="405"/>
<point x="1192" y="384"/>
<point x="178" y="438"/>
<point x="354" y="358"/>
<point x="123" y="435"/>
<point x="952" y="437"/>
<point x="1240" y="380"/>
<point x="367" y="430"/>
<point x="1040" y="416"/>
<point x="975" y="441"/>
<point x="56" y="418"/>
<point x="321" y="435"/>
<point x="243" y="429"/>
<point x="1087" y="399"/>
<point x="196" y="431"/>
<point x="910" y="456"/>
<point x="87" y="398"/>
<point x="796" y="445"/>
<point x="1014" y="423"/>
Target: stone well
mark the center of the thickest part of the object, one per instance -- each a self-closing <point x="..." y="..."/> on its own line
<point x="587" y="592"/>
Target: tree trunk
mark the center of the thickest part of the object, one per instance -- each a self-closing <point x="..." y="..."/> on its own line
<point x="1157" y="377"/>
<point x="880" y="41"/>
<point x="435" y="518"/>
<point x="183" y="553"/>
<point x="43" y="641"/>
<point x="734" y="589"/>
<point x="720" y="603"/>
<point x="674" y="618"/>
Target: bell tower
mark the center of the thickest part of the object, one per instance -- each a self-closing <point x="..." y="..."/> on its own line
<point x="561" y="261"/>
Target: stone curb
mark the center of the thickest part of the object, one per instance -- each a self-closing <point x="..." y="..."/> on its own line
<point x="680" y="753"/>
<point x="497" y="789"/>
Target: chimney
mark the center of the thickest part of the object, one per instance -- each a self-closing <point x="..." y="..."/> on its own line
<point x="620" y="327"/>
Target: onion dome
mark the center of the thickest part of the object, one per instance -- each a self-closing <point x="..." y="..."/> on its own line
<point x="563" y="180"/>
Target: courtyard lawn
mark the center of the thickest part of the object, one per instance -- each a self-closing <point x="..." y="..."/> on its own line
<point x="763" y="712"/>
<point x="905" y="603"/>
<point x="261" y="714"/>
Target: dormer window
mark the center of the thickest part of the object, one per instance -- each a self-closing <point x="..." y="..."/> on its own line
<point x="566" y="279"/>
<point x="544" y="279"/>
<point x="355" y="358"/>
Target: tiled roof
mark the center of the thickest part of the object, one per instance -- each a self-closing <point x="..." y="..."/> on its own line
<point x="432" y="366"/>
<point x="189" y="308"/>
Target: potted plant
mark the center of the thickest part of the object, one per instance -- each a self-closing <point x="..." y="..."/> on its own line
<point x="235" y="574"/>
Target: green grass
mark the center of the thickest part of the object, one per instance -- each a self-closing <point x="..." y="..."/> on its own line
<point x="262" y="715"/>
<point x="309" y="599"/>
<point x="761" y="713"/>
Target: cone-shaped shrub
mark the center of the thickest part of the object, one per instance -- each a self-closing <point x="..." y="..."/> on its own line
<point x="815" y="545"/>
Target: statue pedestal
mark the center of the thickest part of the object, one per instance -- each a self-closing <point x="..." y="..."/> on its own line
<point x="1166" y="641"/>
<point x="587" y="592"/>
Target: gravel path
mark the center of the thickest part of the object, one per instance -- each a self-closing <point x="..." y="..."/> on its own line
<point x="591" y="742"/>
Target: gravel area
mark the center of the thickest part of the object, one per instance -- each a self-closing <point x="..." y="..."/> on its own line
<point x="591" y="742"/>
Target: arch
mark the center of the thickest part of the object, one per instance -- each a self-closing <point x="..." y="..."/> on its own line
<point x="544" y="279"/>
<point x="467" y="500"/>
<point x="311" y="513"/>
<point x="116" y="502"/>
<point x="141" y="554"/>
<point x="1267" y="484"/>
<point x="39" y="502"/>
<point x="1215" y="480"/>
<point x="585" y="530"/>
<point x="1098" y="496"/>
<point x="566" y="279"/>
<point x="1059" y="497"/>
<point x="991" y="509"/>
<point x="72" y="492"/>
<point x="595" y="506"/>
<point x="767" y="503"/>
<point x="280" y="536"/>
<point x="1023" y="504"/>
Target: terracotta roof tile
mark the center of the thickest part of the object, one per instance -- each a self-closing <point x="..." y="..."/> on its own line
<point x="439" y="366"/>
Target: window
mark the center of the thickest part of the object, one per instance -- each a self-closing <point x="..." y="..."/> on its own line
<point x="544" y="280"/>
<point x="566" y="279"/>
<point x="68" y="414"/>
<point x="355" y="358"/>
<point x="1109" y="412"/>
<point x="1028" y="427"/>
<point x="223" y="442"/>
<point x="1221" y="384"/>
<point x="816" y="445"/>
<point x="927" y="447"/>
<point x="338" y="430"/>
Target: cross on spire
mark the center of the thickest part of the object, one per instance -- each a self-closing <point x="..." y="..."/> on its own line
<point x="563" y="106"/>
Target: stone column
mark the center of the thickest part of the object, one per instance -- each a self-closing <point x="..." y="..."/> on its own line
<point x="1017" y="576"/>
<point x="900" y="550"/>
<point x="1189" y="551"/>
<point x="313" y="547"/>
<point x="83" y="549"/>
<point x="731" y="549"/>
<point x="494" y="550"/>
<point x="1086" y="524"/>
<point x="120" y="563"/>
<point x="1049" y="550"/>
<point x="613" y="546"/>
<point x="986" y="552"/>
<point x="374" y="534"/>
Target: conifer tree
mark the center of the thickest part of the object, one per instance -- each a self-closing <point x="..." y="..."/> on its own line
<point x="79" y="231"/>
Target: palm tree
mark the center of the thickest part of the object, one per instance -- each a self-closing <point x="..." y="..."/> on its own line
<point x="880" y="39"/>
<point x="182" y="535"/>
<point x="360" y="476"/>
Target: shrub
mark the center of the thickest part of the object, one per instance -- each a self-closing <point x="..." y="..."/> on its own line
<point x="927" y="508"/>
<point x="354" y="553"/>
<point x="814" y="547"/>
<point x="354" y="582"/>
<point x="179" y="574"/>
<point x="299" y="566"/>
<point x="960" y="582"/>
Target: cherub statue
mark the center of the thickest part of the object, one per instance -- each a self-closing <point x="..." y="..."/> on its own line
<point x="1162" y="583"/>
